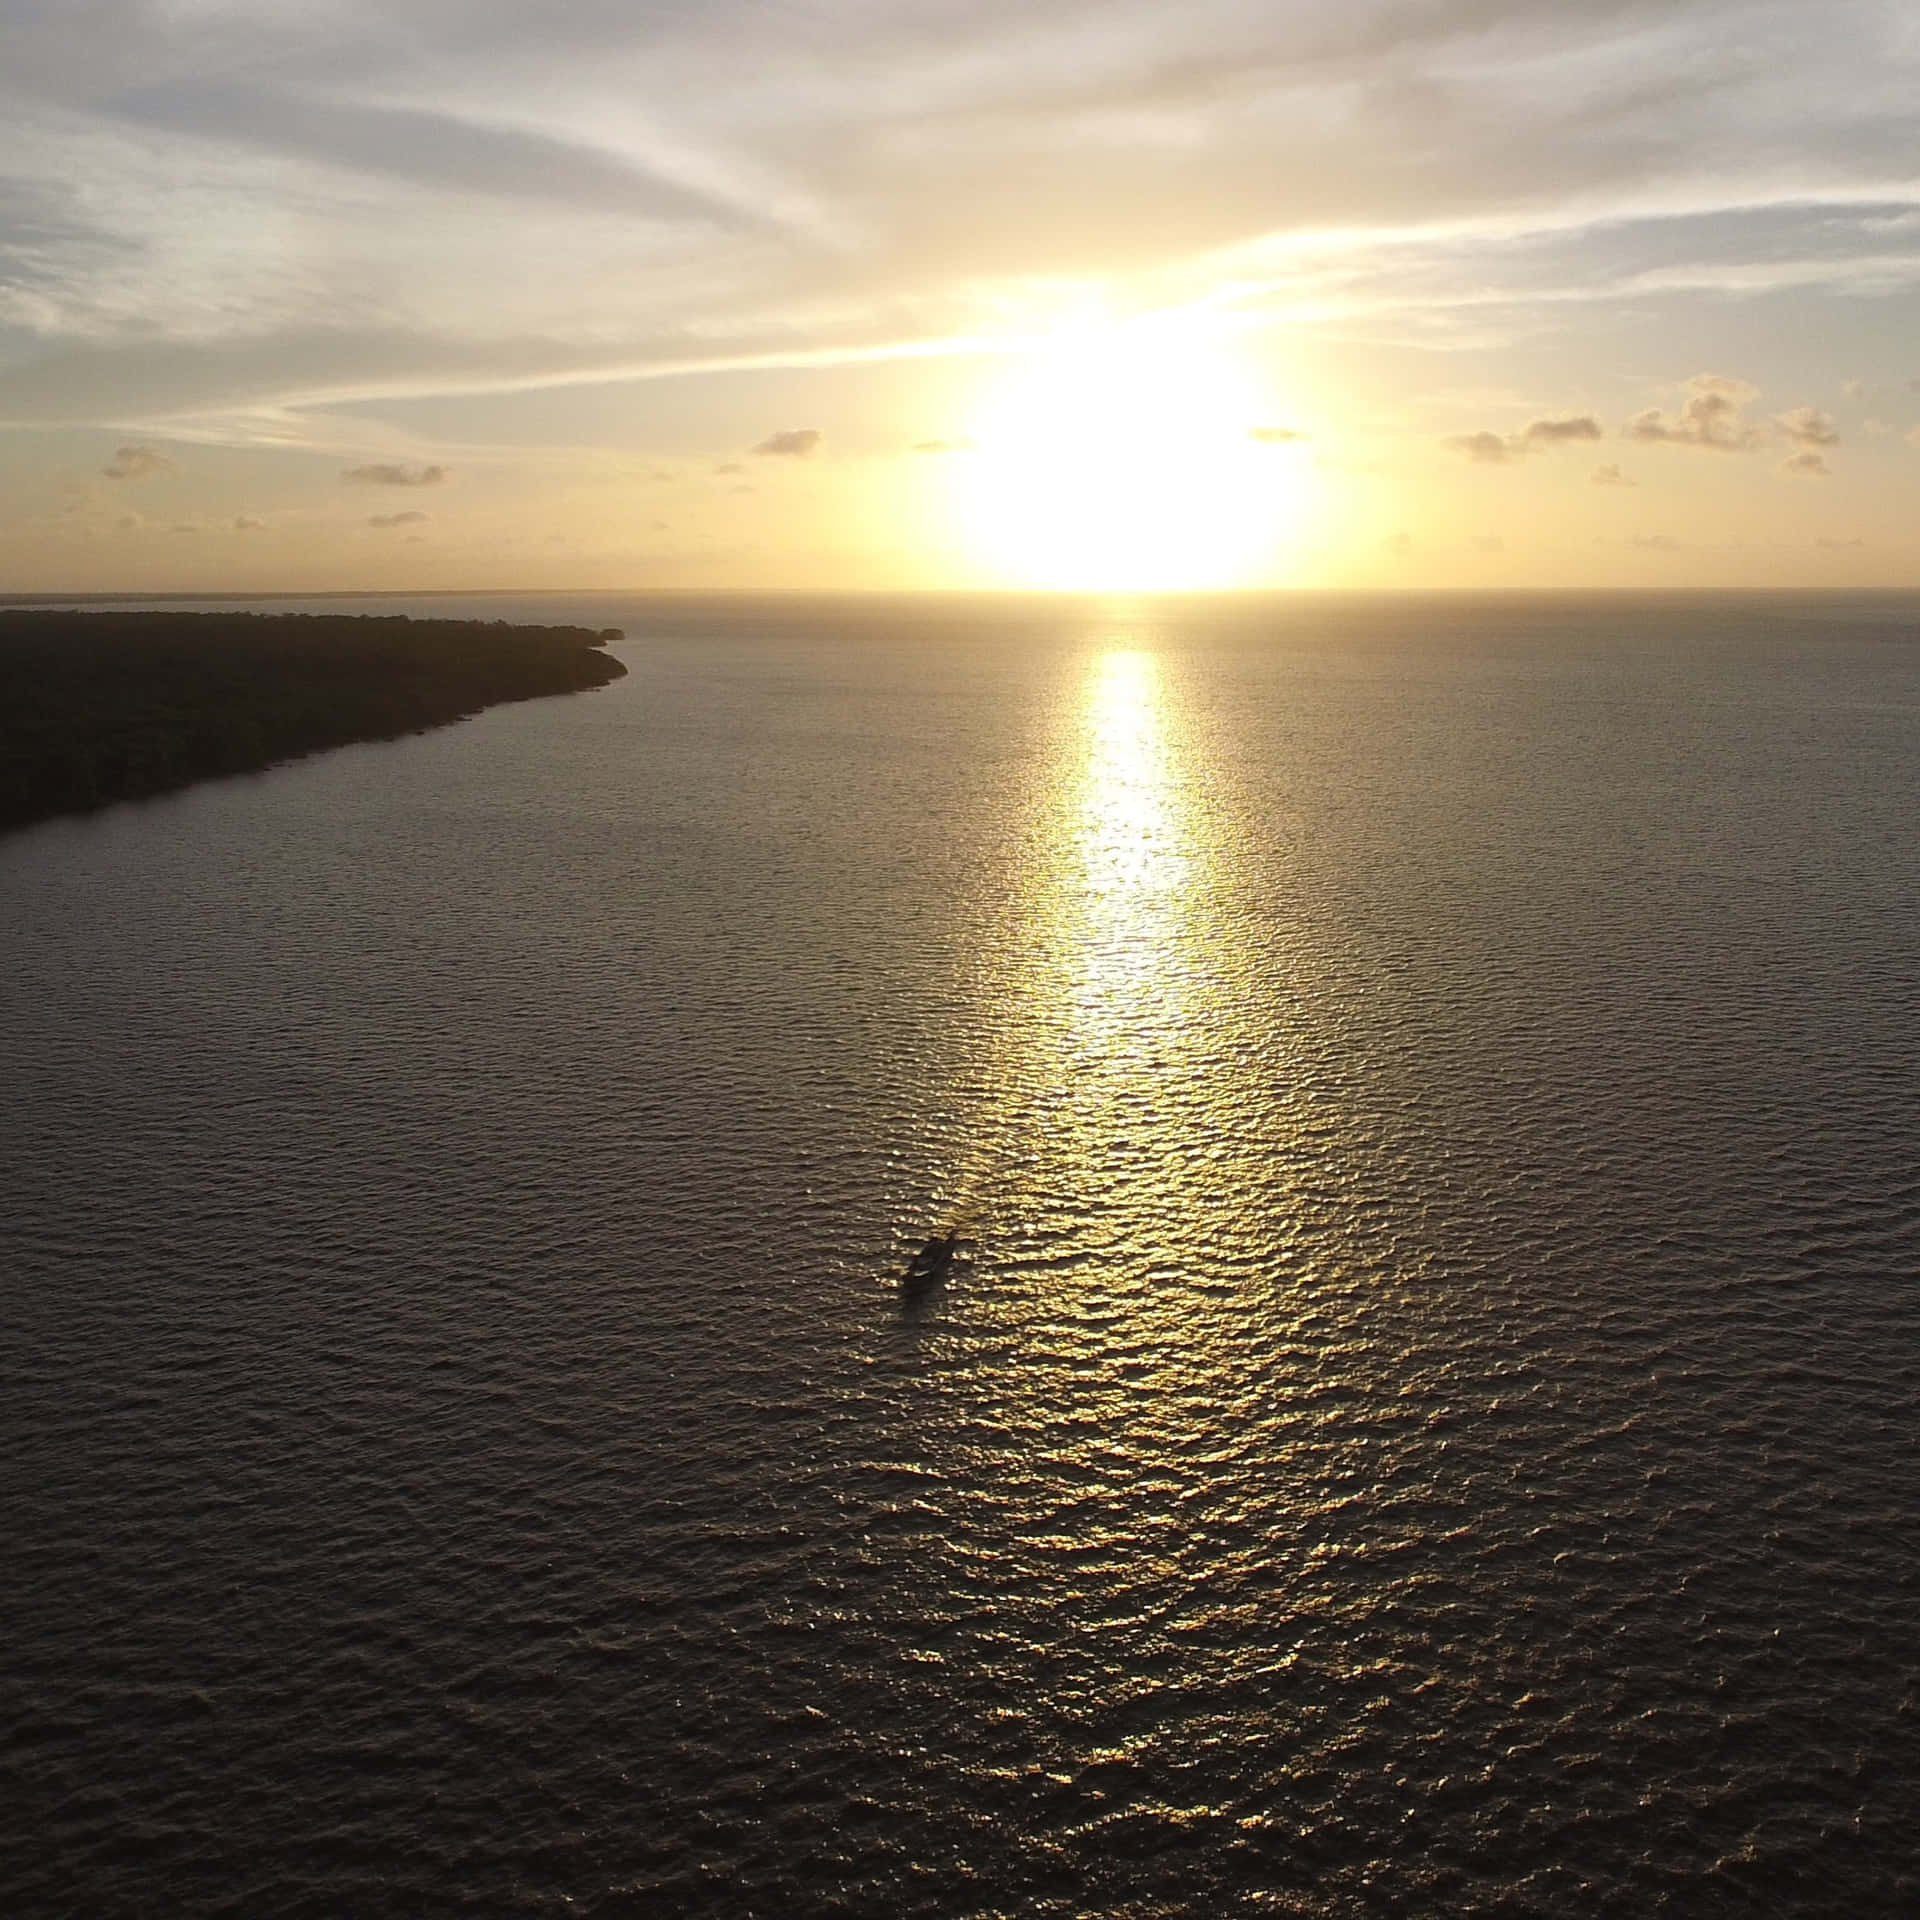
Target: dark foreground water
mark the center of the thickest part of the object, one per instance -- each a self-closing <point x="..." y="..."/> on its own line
<point x="1431" y="1425"/>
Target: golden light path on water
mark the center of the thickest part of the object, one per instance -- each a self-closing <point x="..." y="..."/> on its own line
<point x="1127" y="1101"/>
<point x="1102" y="989"/>
<point x="1125" y="1141"/>
<point x="1144" y="969"/>
<point x="1107" y="1362"/>
<point x="1135" y="862"/>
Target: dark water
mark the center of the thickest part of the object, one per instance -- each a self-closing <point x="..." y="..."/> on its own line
<point x="1429" y="1426"/>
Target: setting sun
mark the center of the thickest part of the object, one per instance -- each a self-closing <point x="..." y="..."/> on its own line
<point x="1129" y="457"/>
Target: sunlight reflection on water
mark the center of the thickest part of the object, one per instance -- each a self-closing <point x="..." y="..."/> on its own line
<point x="1128" y="922"/>
<point x="1132" y="1140"/>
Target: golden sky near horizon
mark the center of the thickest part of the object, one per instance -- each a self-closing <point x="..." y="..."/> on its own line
<point x="470" y="293"/>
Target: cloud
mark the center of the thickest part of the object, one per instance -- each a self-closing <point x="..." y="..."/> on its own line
<point x="1853" y="389"/>
<point x="136" y="463"/>
<point x="796" y="441"/>
<point x="245" y="523"/>
<point x="962" y="445"/>
<point x="1609" y="475"/>
<point x="1553" y="433"/>
<point x="451" y="149"/>
<point x="1493" y="450"/>
<point x="1839" y="546"/>
<point x="1656" y="542"/>
<point x="1488" y="449"/>
<point x="1712" y="415"/>
<point x="730" y="466"/>
<point x="1808" y="427"/>
<point x="494" y="197"/>
<point x="411" y="518"/>
<point x="1808" y="464"/>
<point x="380" y="473"/>
<point x="1277" y="436"/>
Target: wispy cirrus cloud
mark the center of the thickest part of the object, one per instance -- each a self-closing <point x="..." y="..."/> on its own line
<point x="210" y="211"/>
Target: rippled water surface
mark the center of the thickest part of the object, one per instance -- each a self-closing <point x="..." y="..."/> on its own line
<point x="1427" y="1425"/>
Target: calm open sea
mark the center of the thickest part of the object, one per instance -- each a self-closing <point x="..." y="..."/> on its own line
<point x="1430" y="1425"/>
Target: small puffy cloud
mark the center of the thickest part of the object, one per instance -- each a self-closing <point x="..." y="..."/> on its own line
<point x="1808" y="464"/>
<point x="183" y="526"/>
<point x="245" y="523"/>
<point x="1553" y="433"/>
<point x="1496" y="450"/>
<point x="795" y="441"/>
<point x="962" y="445"/>
<point x="1657" y="542"/>
<point x="411" y="518"/>
<point x="129" y="523"/>
<point x="382" y="473"/>
<point x="1488" y="449"/>
<point x="730" y="466"/>
<point x="1712" y="415"/>
<point x="1853" y="389"/>
<point x="136" y="463"/>
<point x="1808" y="427"/>
<point x="1277" y="436"/>
<point x="1913" y="437"/>
<point x="1609" y="475"/>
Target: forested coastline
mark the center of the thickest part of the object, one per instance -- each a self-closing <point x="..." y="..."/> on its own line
<point x="100" y="707"/>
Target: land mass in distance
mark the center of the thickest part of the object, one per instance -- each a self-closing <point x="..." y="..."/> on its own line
<point x="103" y="707"/>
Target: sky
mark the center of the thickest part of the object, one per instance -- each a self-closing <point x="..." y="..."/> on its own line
<point x="315" y="294"/>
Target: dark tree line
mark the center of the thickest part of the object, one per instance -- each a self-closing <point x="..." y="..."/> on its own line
<point x="98" y="707"/>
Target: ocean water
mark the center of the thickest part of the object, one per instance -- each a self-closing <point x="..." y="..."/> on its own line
<point x="1428" y="1423"/>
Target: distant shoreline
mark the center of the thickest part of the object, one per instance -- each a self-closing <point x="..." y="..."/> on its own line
<point x="106" y="706"/>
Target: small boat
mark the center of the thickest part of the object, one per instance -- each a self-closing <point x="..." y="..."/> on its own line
<point x="933" y="1259"/>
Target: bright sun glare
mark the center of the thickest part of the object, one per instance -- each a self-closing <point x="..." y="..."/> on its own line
<point x="1124" y="458"/>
